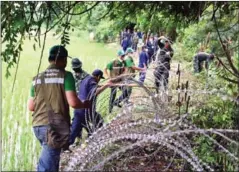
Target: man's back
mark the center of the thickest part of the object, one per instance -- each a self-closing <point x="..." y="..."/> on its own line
<point x="125" y="43"/>
<point x="116" y="67"/>
<point x="202" y="56"/>
<point x="54" y="90"/>
<point x="86" y="87"/>
<point x="163" y="60"/>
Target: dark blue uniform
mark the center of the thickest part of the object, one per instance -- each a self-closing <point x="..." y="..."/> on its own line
<point x="143" y="58"/>
<point x="140" y="35"/>
<point x="150" y="47"/>
<point x="83" y="116"/>
<point x="125" y="44"/>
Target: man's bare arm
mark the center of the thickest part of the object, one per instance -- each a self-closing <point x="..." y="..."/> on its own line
<point x="138" y="68"/>
<point x="106" y="73"/>
<point x="103" y="87"/>
<point x="30" y="104"/>
<point x="74" y="102"/>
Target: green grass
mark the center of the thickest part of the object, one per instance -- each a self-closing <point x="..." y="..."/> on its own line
<point x="20" y="148"/>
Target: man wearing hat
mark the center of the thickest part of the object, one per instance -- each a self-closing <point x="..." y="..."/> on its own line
<point x="167" y="45"/>
<point x="54" y="88"/>
<point x="129" y="62"/>
<point x="88" y="90"/>
<point x="130" y="68"/>
<point x="115" y="68"/>
<point x="79" y="73"/>
<point x="169" y="48"/>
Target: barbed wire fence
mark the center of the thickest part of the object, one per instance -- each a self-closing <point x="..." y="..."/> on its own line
<point x="154" y="130"/>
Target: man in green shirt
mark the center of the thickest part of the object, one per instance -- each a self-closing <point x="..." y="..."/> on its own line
<point x="54" y="87"/>
<point x="115" y="68"/>
<point x="130" y="69"/>
<point x="129" y="62"/>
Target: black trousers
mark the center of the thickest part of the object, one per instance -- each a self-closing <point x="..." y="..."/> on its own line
<point x="124" y="96"/>
<point x="161" y="79"/>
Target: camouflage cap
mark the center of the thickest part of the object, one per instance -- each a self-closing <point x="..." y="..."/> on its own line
<point x="76" y="63"/>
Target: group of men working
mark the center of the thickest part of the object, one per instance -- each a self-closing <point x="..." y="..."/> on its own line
<point x="57" y="89"/>
<point x="159" y="50"/>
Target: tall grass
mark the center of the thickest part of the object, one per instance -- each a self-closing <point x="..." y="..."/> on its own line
<point x="20" y="148"/>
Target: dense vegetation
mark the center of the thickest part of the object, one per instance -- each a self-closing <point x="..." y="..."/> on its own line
<point x="193" y="27"/>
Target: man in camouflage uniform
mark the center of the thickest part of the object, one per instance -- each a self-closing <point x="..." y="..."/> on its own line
<point x="163" y="59"/>
<point x="79" y="73"/>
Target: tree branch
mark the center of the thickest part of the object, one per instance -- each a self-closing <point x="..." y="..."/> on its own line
<point x="59" y="19"/>
<point x="80" y="13"/>
<point x="44" y="41"/>
<point x="225" y="50"/>
<point x="110" y="9"/>
<point x="230" y="80"/>
<point x="225" y="67"/>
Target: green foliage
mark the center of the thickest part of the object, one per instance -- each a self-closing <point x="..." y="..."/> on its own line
<point x="196" y="34"/>
<point x="182" y="54"/>
<point x="105" y="33"/>
<point x="215" y="114"/>
<point x="211" y="154"/>
<point x="21" y="18"/>
<point x="216" y="111"/>
<point x="65" y="35"/>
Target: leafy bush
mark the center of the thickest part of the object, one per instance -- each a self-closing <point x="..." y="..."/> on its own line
<point x="104" y="32"/>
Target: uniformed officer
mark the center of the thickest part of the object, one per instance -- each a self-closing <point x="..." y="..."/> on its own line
<point x="130" y="69"/>
<point x="55" y="87"/>
<point x="79" y="73"/>
<point x="115" y="68"/>
<point x="82" y="117"/>
<point x="150" y="47"/>
<point x="161" y="71"/>
<point x="143" y="63"/>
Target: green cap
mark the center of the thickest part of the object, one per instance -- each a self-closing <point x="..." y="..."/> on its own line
<point x="121" y="53"/>
<point x="129" y="50"/>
